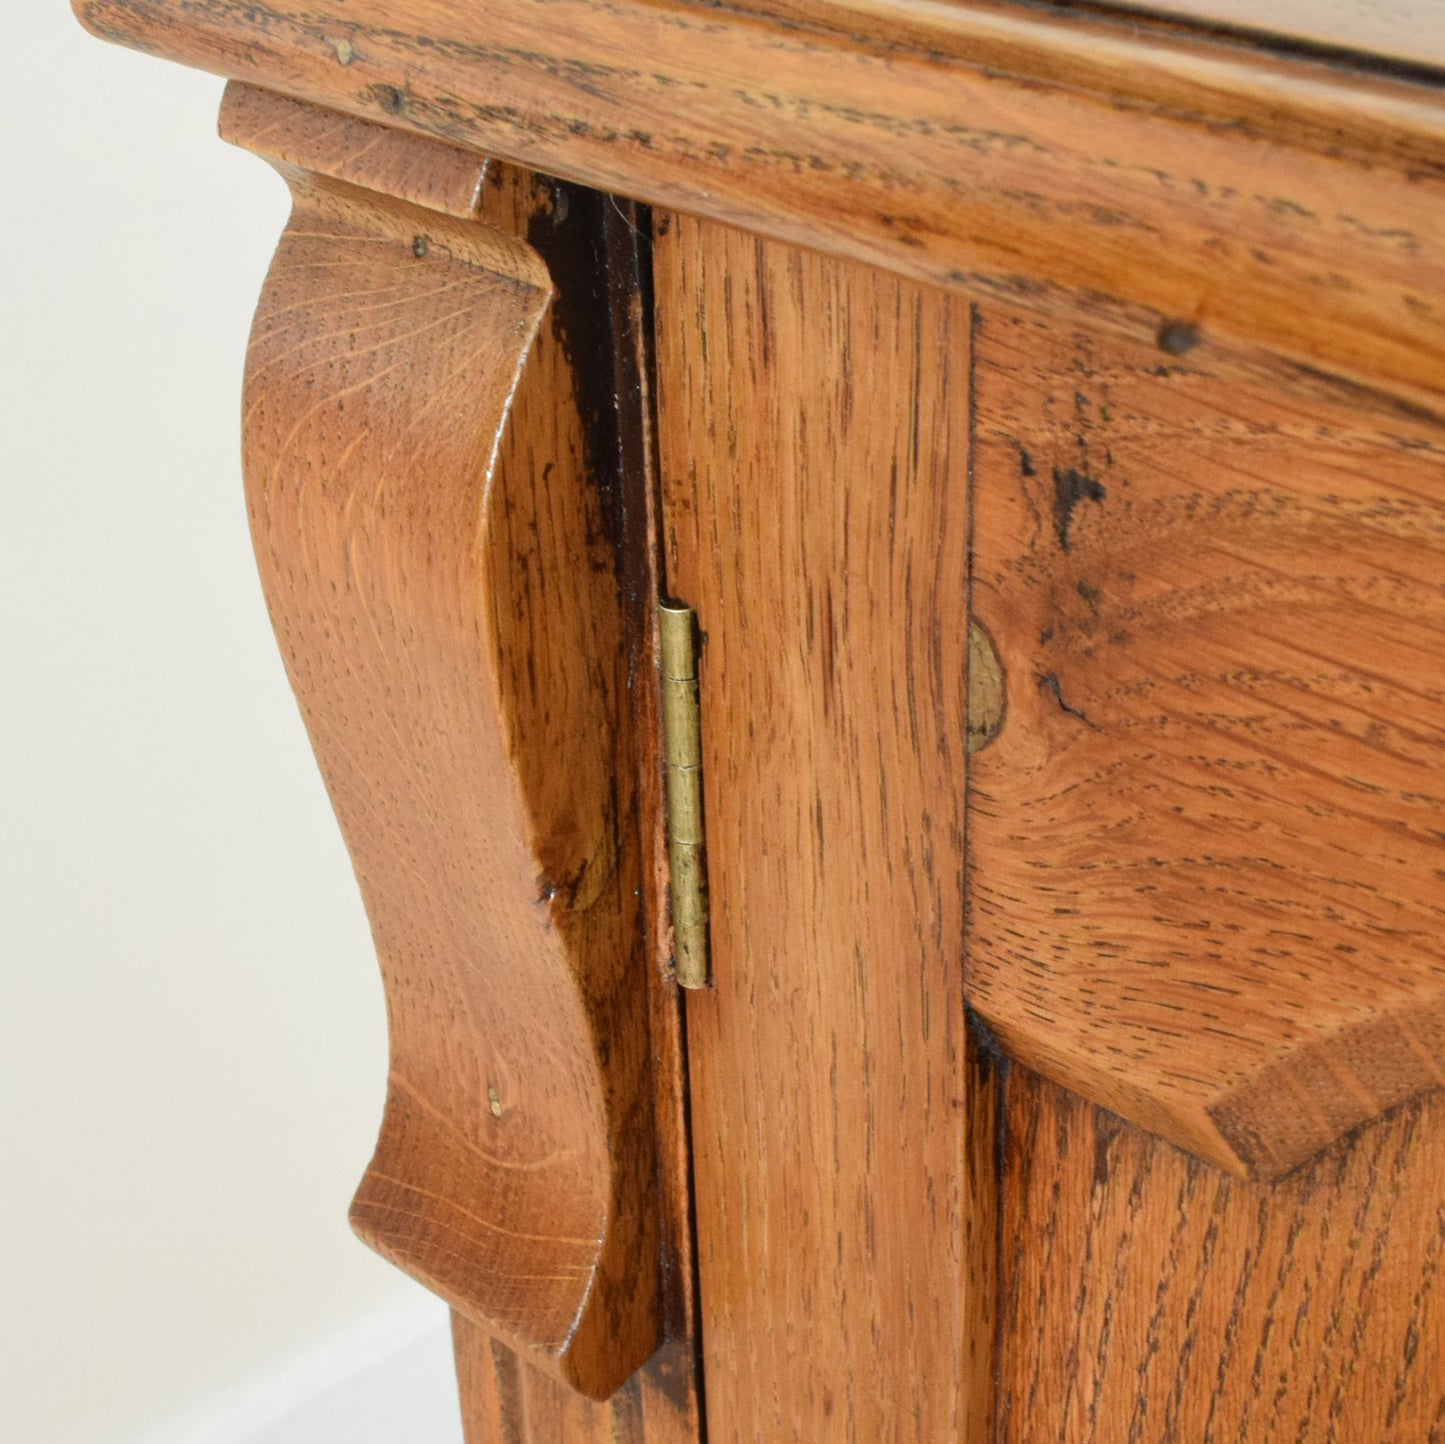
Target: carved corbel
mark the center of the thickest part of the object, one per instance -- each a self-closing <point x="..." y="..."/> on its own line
<point x="441" y="584"/>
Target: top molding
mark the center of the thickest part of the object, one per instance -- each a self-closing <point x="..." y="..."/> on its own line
<point x="1116" y="171"/>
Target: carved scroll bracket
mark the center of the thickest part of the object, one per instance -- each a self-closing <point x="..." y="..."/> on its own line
<point x="442" y="591"/>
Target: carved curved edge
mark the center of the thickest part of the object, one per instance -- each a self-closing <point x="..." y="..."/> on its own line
<point x="1279" y="1109"/>
<point x="1206" y="856"/>
<point x="428" y="578"/>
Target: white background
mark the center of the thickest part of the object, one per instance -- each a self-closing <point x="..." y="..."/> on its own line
<point x="192" y="1040"/>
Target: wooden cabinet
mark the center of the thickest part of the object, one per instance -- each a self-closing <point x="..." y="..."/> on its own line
<point x="1043" y="414"/>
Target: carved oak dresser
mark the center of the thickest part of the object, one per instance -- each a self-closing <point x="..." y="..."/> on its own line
<point x="867" y="579"/>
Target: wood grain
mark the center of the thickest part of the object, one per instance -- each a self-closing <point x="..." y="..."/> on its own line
<point x="595" y="250"/>
<point x="442" y="585"/>
<point x="291" y="133"/>
<point x="1076" y="170"/>
<point x="1150" y="1299"/>
<point x="814" y="432"/>
<point x="1207" y="869"/>
<point x="506" y="1400"/>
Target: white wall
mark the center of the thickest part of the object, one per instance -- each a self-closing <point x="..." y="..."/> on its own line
<point x="192" y="1048"/>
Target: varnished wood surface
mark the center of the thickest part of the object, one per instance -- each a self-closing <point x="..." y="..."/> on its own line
<point x="291" y="133"/>
<point x="594" y="251"/>
<point x="1072" y="169"/>
<point x="1150" y="1299"/>
<point x="1207" y="870"/>
<point x="1196" y="421"/>
<point x="586" y="385"/>
<point x="441" y="581"/>
<point x="506" y="1400"/>
<point x="814" y="430"/>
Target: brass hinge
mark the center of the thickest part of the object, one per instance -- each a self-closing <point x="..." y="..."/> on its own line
<point x="682" y="753"/>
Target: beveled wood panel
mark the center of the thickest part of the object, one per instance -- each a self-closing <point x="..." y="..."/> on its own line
<point x="1207" y="866"/>
<point x="1150" y="1299"/>
<point x="814" y="444"/>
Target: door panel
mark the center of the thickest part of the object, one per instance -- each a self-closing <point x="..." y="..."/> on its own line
<point x="1203" y="866"/>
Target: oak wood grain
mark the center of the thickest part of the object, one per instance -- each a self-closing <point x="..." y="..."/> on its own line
<point x="442" y="584"/>
<point x="1076" y="170"/>
<point x="506" y="1400"/>
<point x="1207" y="866"/>
<point x="595" y="250"/>
<point x="813" y="443"/>
<point x="291" y="133"/>
<point x="1150" y="1299"/>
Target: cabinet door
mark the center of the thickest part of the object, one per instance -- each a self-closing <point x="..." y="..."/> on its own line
<point x="1080" y="1088"/>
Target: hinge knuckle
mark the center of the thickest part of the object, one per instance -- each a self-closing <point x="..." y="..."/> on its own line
<point x="682" y="753"/>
